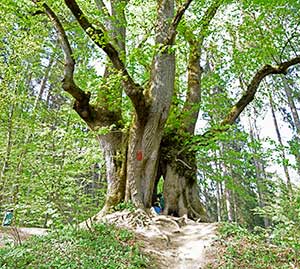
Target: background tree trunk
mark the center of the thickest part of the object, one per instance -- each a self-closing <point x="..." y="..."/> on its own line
<point x="260" y="178"/>
<point x="283" y="156"/>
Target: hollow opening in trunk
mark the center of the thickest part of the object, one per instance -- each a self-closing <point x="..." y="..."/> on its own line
<point x="158" y="201"/>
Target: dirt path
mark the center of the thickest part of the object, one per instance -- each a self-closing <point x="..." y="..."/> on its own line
<point x="173" y="243"/>
<point x="17" y="235"/>
<point x="190" y="247"/>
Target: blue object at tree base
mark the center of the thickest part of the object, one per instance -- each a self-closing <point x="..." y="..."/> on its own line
<point x="157" y="209"/>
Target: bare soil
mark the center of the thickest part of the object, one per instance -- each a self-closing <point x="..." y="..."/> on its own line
<point x="173" y="243"/>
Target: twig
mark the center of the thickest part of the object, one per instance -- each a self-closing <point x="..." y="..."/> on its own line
<point x="185" y="164"/>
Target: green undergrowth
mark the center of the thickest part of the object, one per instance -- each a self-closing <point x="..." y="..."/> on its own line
<point x="277" y="246"/>
<point x="101" y="247"/>
<point x="257" y="249"/>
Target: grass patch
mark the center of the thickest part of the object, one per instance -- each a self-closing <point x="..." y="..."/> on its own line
<point x="104" y="247"/>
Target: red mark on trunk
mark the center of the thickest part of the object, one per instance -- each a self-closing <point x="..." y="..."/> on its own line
<point x="139" y="155"/>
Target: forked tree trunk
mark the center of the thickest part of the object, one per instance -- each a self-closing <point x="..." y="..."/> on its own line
<point x="141" y="161"/>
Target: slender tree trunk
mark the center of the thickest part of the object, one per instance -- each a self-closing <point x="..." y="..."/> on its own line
<point x="296" y="120"/>
<point x="259" y="180"/>
<point x="235" y="208"/>
<point x="219" y="202"/>
<point x="228" y="204"/>
<point x="9" y="144"/>
<point x="260" y="192"/>
<point x="228" y="193"/>
<point x="43" y="82"/>
<point x="41" y="90"/>
<point x="288" y="92"/>
<point x="283" y="156"/>
<point x="233" y="196"/>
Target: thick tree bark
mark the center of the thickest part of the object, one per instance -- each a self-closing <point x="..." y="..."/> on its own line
<point x="179" y="170"/>
<point x="181" y="195"/>
<point x="114" y="150"/>
<point x="146" y="133"/>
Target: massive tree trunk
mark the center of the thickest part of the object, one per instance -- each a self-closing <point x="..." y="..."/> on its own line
<point x="178" y="167"/>
<point x="137" y="159"/>
<point x="146" y="133"/>
<point x="182" y="195"/>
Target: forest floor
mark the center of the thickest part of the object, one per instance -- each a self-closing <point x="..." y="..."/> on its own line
<point x="177" y="243"/>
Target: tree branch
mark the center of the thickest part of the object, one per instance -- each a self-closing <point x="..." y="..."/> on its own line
<point x="289" y="41"/>
<point x="68" y="80"/>
<point x="133" y="90"/>
<point x="207" y="18"/>
<point x="193" y="98"/>
<point x="177" y="18"/>
<point x="248" y="96"/>
<point x="88" y="113"/>
<point x="97" y="35"/>
<point x="102" y="7"/>
<point x="180" y="13"/>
